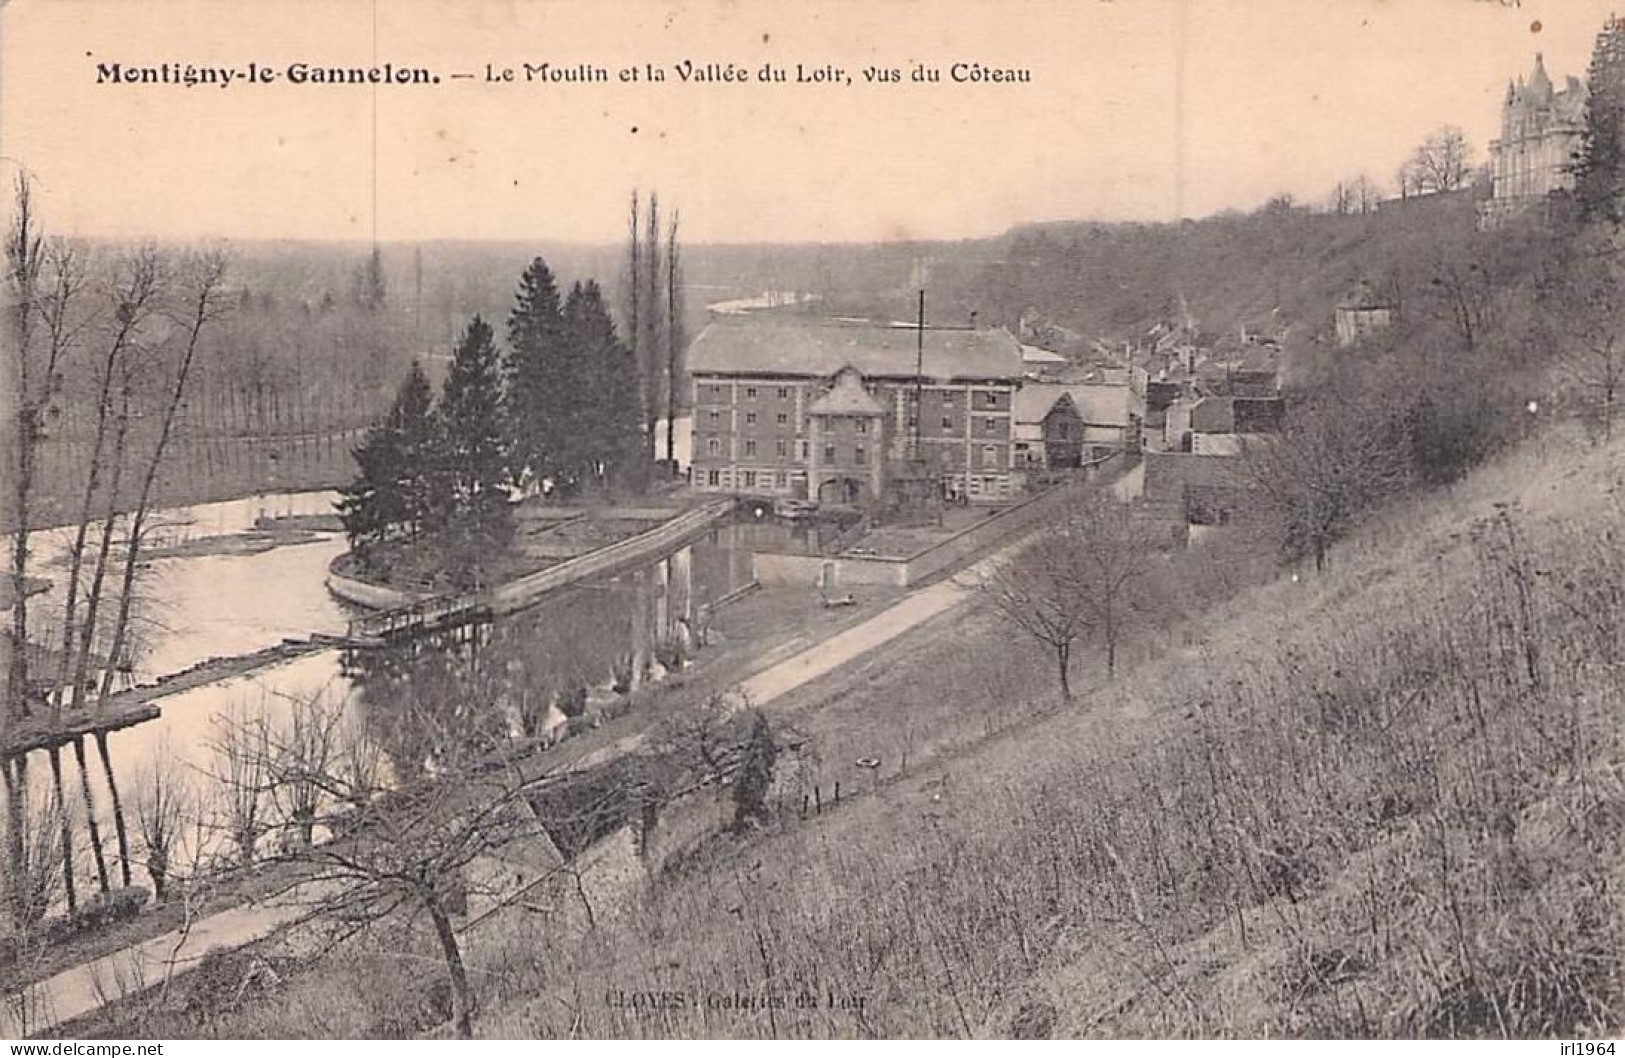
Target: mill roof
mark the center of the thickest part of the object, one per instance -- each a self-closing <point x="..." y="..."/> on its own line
<point x="819" y="349"/>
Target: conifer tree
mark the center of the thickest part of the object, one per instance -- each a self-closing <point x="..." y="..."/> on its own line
<point x="1600" y="168"/>
<point x="414" y="416"/>
<point x="371" y="504"/>
<point x="606" y="414"/>
<point x="537" y="401"/>
<point x="393" y="462"/>
<point x="472" y="468"/>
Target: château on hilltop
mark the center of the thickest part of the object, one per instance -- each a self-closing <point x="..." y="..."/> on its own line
<point x="1541" y="130"/>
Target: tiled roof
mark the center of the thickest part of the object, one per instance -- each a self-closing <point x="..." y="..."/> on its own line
<point x="1096" y="403"/>
<point x="819" y="349"/>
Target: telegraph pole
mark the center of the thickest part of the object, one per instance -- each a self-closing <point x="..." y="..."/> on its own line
<point x="919" y="378"/>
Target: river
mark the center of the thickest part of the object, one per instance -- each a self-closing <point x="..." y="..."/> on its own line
<point x="585" y="638"/>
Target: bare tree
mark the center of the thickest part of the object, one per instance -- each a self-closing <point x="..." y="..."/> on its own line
<point x="24" y="258"/>
<point x="46" y="283"/>
<point x="636" y="311"/>
<point x="164" y="802"/>
<point x="34" y="882"/>
<point x="238" y="775"/>
<point x="1366" y="194"/>
<point x="135" y="293"/>
<point x="201" y="306"/>
<point x="1467" y="295"/>
<point x="723" y="742"/>
<point x="1032" y="590"/>
<point x="33" y="885"/>
<point x="1442" y="162"/>
<point x="1585" y="323"/>
<point x="1333" y="461"/>
<point x="1078" y="580"/>
<point x="675" y="338"/>
<point x="1407" y="180"/>
<point x="653" y="362"/>
<point x="362" y="852"/>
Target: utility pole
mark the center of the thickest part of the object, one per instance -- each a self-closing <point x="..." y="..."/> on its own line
<point x="919" y="380"/>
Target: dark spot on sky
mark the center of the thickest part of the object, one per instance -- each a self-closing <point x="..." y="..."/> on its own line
<point x="1535" y="26"/>
<point x="765" y="38"/>
<point x="634" y="128"/>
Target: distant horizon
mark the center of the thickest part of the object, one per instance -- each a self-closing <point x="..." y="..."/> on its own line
<point x="1013" y="229"/>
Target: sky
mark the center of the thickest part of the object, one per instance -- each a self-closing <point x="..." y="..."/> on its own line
<point x="1136" y="110"/>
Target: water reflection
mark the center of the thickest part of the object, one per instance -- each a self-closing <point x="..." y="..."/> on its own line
<point x="421" y="703"/>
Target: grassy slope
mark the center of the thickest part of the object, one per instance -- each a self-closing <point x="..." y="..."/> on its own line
<point x="1388" y="801"/>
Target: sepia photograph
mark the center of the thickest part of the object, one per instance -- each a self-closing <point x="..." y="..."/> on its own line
<point x="728" y="519"/>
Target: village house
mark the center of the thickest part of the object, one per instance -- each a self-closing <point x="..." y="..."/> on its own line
<point x="1191" y="494"/>
<point x="1060" y="425"/>
<point x="822" y="410"/>
<point x="1222" y="426"/>
<point x="1361" y="315"/>
<point x="1156" y="380"/>
<point x="1041" y="361"/>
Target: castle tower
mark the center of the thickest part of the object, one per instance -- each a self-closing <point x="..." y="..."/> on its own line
<point x="1541" y="131"/>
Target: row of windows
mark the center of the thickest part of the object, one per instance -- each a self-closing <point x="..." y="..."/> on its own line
<point x="713" y="447"/>
<point x="715" y="392"/>
<point x="720" y="392"/>
<point x="748" y="478"/>
<point x="860" y="454"/>
<point x="714" y="417"/>
<point x="976" y="485"/>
